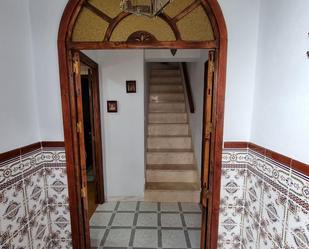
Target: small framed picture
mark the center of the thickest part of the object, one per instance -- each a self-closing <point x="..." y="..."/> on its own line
<point x="112" y="106"/>
<point x="131" y="86"/>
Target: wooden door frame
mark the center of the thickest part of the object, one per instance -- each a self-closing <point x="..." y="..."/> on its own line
<point x="65" y="45"/>
<point x="97" y="129"/>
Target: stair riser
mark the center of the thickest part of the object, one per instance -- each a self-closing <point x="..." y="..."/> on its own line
<point x="189" y="176"/>
<point x="170" y="158"/>
<point x="164" y="67"/>
<point x="169" y="143"/>
<point x="165" y="73"/>
<point x="167" y="107"/>
<point x="161" y="118"/>
<point x="168" y="130"/>
<point x="166" y="89"/>
<point x="155" y="98"/>
<point x="166" y="80"/>
<point x="172" y="196"/>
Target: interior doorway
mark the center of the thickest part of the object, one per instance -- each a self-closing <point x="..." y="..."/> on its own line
<point x="214" y="38"/>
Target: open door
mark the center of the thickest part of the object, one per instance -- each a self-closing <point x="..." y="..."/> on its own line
<point x="208" y="149"/>
<point x="76" y="63"/>
<point x="76" y="59"/>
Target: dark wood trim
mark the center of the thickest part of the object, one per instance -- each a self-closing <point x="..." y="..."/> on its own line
<point x="188" y="86"/>
<point x="5" y="156"/>
<point x="235" y="145"/>
<point x="272" y="155"/>
<point x="172" y="25"/>
<point x="53" y="144"/>
<point x="29" y="148"/>
<point x="98" y="12"/>
<point x="134" y="45"/>
<point x="300" y="167"/>
<point x="68" y="20"/>
<point x="113" y="25"/>
<point x="97" y="128"/>
<point x="186" y="11"/>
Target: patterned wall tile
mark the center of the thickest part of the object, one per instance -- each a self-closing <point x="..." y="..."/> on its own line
<point x="29" y="184"/>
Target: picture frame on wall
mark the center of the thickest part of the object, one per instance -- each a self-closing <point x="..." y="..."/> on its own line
<point x="112" y="106"/>
<point x="131" y="86"/>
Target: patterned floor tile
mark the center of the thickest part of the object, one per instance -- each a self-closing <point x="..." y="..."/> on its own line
<point x="146" y="238"/>
<point x="173" y="239"/>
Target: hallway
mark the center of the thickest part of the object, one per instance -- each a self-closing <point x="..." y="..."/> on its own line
<point x="146" y="225"/>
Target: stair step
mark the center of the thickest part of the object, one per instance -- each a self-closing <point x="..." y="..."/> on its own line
<point x="169" y="157"/>
<point x="166" y="97"/>
<point x="164" y="66"/>
<point x="166" y="80"/>
<point x="167" y="118"/>
<point x="169" y="143"/>
<point x="166" y="88"/>
<point x="186" y="176"/>
<point x="167" y="107"/>
<point x="172" y="186"/>
<point x="166" y="72"/>
<point x="170" y="167"/>
<point x="168" y="129"/>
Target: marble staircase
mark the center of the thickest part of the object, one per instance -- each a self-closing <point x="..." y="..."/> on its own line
<point x="171" y="173"/>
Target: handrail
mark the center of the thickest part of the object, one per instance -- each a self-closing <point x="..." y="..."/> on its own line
<point x="188" y="86"/>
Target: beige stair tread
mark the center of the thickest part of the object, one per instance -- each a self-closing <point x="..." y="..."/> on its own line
<point x="168" y="136"/>
<point x="170" y="150"/>
<point x="172" y="186"/>
<point x="170" y="167"/>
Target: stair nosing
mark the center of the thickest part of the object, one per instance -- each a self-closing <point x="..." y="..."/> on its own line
<point x="169" y="150"/>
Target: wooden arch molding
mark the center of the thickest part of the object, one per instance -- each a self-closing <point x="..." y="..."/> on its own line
<point x="65" y="46"/>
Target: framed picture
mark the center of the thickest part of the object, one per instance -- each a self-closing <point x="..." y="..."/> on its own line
<point x="131" y="86"/>
<point x="112" y="106"/>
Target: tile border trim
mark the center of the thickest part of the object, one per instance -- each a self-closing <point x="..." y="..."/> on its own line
<point x="29" y="148"/>
<point x="275" y="156"/>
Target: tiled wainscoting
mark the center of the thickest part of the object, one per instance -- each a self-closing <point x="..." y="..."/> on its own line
<point x="264" y="199"/>
<point x="34" y="211"/>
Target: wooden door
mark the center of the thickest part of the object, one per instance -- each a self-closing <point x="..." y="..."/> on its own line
<point x="208" y="148"/>
<point x="81" y="145"/>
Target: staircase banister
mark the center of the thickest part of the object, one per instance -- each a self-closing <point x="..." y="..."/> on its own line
<point x="187" y="84"/>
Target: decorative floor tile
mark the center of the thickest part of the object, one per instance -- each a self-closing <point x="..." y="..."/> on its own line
<point x="173" y="239"/>
<point x="123" y="220"/>
<point x="190" y="207"/>
<point x="169" y="207"/>
<point x="195" y="238"/>
<point x="96" y="236"/>
<point x="100" y="219"/>
<point x="146" y="227"/>
<point x="171" y="220"/>
<point x="127" y="206"/>
<point x="108" y="206"/>
<point x="146" y="238"/>
<point x="192" y="220"/>
<point x="147" y="220"/>
<point x="118" y="238"/>
<point x="148" y="206"/>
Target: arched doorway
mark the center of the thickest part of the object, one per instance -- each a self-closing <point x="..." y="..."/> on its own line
<point x="71" y="39"/>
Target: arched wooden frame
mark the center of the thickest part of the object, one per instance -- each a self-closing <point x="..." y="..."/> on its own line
<point x="65" y="45"/>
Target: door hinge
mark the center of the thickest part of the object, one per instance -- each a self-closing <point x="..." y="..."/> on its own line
<point x="79" y="127"/>
<point x="83" y="192"/>
<point x="209" y="128"/>
<point x="206" y="192"/>
<point x="75" y="67"/>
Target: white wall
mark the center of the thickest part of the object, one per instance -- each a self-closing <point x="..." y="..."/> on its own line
<point x="242" y="18"/>
<point x="165" y="55"/>
<point x="240" y="78"/>
<point x="196" y="74"/>
<point x="45" y="19"/>
<point x="123" y="132"/>
<point x="281" y="110"/>
<point x="18" y="113"/>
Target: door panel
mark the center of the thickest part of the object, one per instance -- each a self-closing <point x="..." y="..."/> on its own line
<point x="81" y="142"/>
<point x="208" y="148"/>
